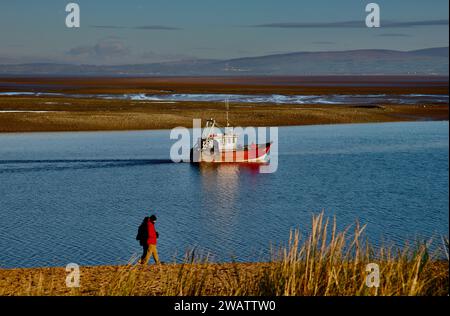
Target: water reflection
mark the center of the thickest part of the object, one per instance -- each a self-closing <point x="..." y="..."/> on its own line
<point x="222" y="180"/>
<point x="221" y="196"/>
<point x="219" y="185"/>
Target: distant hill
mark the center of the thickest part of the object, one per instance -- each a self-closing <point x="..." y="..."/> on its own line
<point x="432" y="61"/>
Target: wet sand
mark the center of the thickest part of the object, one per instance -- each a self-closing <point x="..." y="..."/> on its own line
<point x="306" y="85"/>
<point x="36" y="114"/>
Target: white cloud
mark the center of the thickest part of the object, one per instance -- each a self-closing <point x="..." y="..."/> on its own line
<point x="105" y="49"/>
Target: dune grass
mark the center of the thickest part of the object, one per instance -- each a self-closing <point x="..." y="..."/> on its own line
<point x="326" y="262"/>
<point x="336" y="264"/>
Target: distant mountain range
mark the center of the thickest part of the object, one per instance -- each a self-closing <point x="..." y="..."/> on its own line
<point x="432" y="61"/>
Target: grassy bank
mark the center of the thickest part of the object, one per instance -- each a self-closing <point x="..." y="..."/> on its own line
<point x="326" y="262"/>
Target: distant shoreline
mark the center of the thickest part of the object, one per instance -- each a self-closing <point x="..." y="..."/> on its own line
<point x="189" y="127"/>
<point x="305" y="85"/>
<point x="52" y="113"/>
<point x="85" y="117"/>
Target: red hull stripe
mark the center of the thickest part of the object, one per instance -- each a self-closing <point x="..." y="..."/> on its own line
<point x="247" y="154"/>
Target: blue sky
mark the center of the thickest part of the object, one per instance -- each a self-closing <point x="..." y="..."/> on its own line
<point x="144" y="31"/>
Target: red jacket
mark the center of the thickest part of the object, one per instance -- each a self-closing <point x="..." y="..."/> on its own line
<point x="151" y="240"/>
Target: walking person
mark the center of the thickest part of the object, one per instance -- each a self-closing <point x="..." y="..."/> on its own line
<point x="147" y="236"/>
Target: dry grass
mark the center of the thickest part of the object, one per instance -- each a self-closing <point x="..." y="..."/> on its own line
<point x="326" y="263"/>
<point x="330" y="263"/>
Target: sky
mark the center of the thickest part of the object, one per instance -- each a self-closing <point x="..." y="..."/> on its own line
<point x="147" y="31"/>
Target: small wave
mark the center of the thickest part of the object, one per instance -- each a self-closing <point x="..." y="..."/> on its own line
<point x="356" y="99"/>
<point x="291" y="99"/>
<point x="19" y="166"/>
<point x="19" y="161"/>
<point x="25" y="93"/>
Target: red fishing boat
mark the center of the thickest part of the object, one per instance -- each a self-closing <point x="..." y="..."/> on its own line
<point x="217" y="146"/>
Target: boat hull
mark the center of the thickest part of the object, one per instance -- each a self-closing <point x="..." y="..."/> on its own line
<point x="248" y="154"/>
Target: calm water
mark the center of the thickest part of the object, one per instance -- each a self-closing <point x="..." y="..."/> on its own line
<point x="79" y="197"/>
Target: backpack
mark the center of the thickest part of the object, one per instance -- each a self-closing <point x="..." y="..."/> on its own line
<point x="142" y="234"/>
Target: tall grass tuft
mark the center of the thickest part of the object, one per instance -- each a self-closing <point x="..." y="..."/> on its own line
<point x="191" y="276"/>
<point x="334" y="263"/>
<point x="124" y="280"/>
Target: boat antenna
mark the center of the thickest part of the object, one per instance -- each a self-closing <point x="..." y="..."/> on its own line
<point x="228" y="107"/>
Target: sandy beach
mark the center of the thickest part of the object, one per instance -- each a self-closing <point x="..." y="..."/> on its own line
<point x="22" y="113"/>
<point x="152" y="279"/>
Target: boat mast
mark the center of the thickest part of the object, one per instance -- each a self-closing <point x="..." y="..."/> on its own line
<point x="227" y="106"/>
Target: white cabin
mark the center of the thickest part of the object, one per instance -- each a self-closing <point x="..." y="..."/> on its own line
<point x="213" y="136"/>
